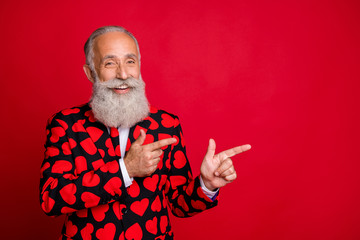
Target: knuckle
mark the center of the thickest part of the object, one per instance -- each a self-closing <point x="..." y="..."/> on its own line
<point x="147" y="156"/>
<point x="228" y="161"/>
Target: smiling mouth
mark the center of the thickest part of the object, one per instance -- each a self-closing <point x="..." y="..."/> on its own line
<point x="122" y="89"/>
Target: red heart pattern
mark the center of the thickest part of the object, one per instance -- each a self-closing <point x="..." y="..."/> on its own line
<point x="81" y="177"/>
<point x="106" y="233"/>
<point x="150" y="183"/>
<point x="151" y="225"/>
<point x="139" y="207"/>
<point x="134" y="232"/>
<point x="68" y="193"/>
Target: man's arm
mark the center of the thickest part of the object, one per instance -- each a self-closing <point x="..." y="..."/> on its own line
<point x="66" y="183"/>
<point x="183" y="192"/>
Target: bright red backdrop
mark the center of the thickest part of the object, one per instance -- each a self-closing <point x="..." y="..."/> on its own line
<point x="281" y="76"/>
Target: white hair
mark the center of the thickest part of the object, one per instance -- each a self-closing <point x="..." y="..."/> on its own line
<point x="89" y="45"/>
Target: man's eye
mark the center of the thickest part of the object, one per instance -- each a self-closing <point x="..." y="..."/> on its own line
<point x="131" y="61"/>
<point x="109" y="63"/>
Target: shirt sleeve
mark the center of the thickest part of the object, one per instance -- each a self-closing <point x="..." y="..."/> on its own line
<point x="123" y="136"/>
<point x="210" y="194"/>
<point x="127" y="179"/>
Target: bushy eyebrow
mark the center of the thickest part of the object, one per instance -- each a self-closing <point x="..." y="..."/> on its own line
<point x="129" y="55"/>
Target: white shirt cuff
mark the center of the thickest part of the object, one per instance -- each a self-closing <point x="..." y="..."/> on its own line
<point x="208" y="193"/>
<point x="127" y="179"/>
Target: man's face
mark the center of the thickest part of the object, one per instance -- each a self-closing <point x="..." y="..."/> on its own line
<point x="116" y="56"/>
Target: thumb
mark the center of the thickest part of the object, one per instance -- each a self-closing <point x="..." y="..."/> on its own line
<point x="141" y="138"/>
<point x="211" y="148"/>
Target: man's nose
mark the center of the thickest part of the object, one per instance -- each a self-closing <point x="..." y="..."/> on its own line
<point x="121" y="73"/>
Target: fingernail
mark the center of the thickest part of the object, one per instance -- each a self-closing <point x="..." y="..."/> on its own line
<point x="217" y="174"/>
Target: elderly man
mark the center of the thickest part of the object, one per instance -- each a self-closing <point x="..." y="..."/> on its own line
<point x="115" y="165"/>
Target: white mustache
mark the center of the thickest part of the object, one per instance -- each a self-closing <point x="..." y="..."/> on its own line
<point x="116" y="83"/>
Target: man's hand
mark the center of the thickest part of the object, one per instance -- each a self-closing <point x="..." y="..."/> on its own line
<point x="218" y="170"/>
<point x="142" y="160"/>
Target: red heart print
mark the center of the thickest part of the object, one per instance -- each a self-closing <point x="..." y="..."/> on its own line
<point x="83" y="213"/>
<point x="88" y="146"/>
<point x="79" y="126"/>
<point x="72" y="143"/>
<point x="106" y="233"/>
<point x="48" y="202"/>
<point x="66" y="148"/>
<point x="97" y="164"/>
<point x="134" y="232"/>
<point x="61" y="166"/>
<point x="90" y="114"/>
<point x="110" y="147"/>
<point x="66" y="210"/>
<point x="148" y="139"/>
<point x="43" y="168"/>
<point x="150" y="183"/>
<point x="62" y="123"/>
<point x="178" y="212"/>
<point x="116" y="209"/>
<point x="80" y="164"/>
<point x="167" y="121"/>
<point x="90" y="199"/>
<point x="177" y="181"/>
<point x="182" y="203"/>
<point x="156" y="205"/>
<point x="176" y="122"/>
<point x="153" y="109"/>
<point x="137" y="131"/>
<point x="134" y="189"/>
<point x="87" y="231"/>
<point x="198" y="205"/>
<point x="90" y="179"/>
<point x="51" y="152"/>
<point x="112" y="167"/>
<point x="139" y="207"/>
<point x="154" y="125"/>
<point x="71" y="229"/>
<point x="190" y="188"/>
<point x="68" y="193"/>
<point x="163" y="223"/>
<point x="182" y="140"/>
<point x="99" y="212"/>
<point x="180" y="159"/>
<point x="70" y="111"/>
<point x="102" y="152"/>
<point x="95" y="133"/>
<point x="113" y="186"/>
<point x="47" y="183"/>
<point x="56" y="133"/>
<point x="151" y="226"/>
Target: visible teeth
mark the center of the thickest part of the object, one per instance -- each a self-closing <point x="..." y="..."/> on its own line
<point x="122" y="87"/>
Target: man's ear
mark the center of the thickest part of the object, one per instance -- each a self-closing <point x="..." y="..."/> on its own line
<point x="89" y="73"/>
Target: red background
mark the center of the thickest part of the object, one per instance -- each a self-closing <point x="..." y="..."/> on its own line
<point x="281" y="76"/>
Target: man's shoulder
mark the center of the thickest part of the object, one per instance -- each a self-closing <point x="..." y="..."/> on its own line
<point x="161" y="112"/>
<point x="72" y="114"/>
<point x="163" y="117"/>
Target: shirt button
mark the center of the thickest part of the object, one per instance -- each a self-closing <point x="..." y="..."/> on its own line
<point x="124" y="210"/>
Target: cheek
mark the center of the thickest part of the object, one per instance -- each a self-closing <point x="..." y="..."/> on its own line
<point x="135" y="72"/>
<point x="106" y="75"/>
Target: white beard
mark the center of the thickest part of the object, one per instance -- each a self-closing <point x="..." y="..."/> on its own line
<point x="115" y="110"/>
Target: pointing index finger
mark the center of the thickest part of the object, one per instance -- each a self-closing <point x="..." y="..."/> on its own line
<point x="161" y="143"/>
<point x="236" y="150"/>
